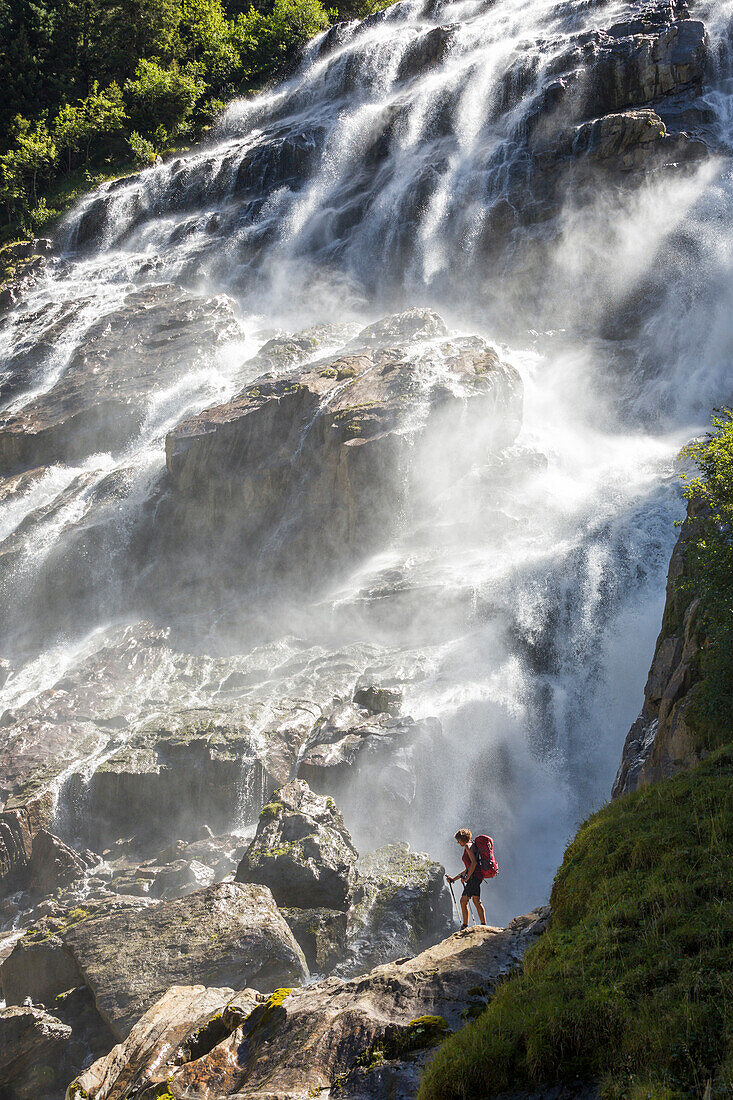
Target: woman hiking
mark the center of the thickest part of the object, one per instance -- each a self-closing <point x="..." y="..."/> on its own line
<point x="471" y="878"/>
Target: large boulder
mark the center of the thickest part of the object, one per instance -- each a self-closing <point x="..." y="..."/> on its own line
<point x="322" y="935"/>
<point x="40" y="967"/>
<point x="299" y="1043"/>
<point x="302" y="850"/>
<point x="32" y="1043"/>
<point x="344" y="430"/>
<point x="185" y="1023"/>
<point x="229" y="934"/>
<point x="53" y="864"/>
<point x="400" y="904"/>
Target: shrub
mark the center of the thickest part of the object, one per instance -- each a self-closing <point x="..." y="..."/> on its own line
<point x="142" y="150"/>
<point x="709" y="577"/>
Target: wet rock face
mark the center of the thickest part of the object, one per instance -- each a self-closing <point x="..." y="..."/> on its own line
<point x="344" y="431"/>
<point x="187" y="766"/>
<point x="259" y="1050"/>
<point x="660" y="742"/>
<point x="100" y="400"/>
<point x="302" y="851"/>
<point x="228" y="934"/>
<point x="32" y="1044"/>
<point x="21" y="265"/>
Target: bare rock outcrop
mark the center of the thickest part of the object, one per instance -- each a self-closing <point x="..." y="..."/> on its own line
<point x="258" y="1050"/>
<point x="660" y="742"/>
<point x="32" y="1043"/>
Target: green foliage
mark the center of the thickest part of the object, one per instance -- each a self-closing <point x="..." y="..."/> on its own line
<point x="632" y="985"/>
<point x="162" y="97"/>
<point x="142" y="150"/>
<point x="81" y="77"/>
<point x="709" y="578"/>
<point x="268" y="40"/>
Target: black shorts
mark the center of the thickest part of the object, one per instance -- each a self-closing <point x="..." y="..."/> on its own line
<point x="472" y="887"/>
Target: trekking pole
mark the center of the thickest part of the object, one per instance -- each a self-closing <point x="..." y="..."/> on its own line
<point x="455" y="903"/>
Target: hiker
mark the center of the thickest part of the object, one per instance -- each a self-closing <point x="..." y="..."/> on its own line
<point x="479" y="861"/>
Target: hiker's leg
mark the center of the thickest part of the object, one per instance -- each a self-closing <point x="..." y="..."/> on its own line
<point x="464" y="909"/>
<point x="480" y="909"/>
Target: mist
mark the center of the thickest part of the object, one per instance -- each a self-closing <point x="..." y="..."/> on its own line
<point x="517" y="595"/>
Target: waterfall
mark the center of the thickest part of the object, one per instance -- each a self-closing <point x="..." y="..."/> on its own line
<point x="407" y="162"/>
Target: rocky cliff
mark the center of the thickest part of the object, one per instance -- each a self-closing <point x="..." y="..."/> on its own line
<point x="661" y="742"/>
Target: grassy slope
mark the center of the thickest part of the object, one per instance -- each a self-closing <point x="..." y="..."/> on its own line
<point x="633" y="983"/>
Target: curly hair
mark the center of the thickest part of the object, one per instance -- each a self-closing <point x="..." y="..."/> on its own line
<point x="463" y="834"/>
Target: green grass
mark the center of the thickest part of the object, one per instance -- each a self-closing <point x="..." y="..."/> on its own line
<point x="632" y="986"/>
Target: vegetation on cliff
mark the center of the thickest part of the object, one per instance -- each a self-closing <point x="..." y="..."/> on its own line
<point x="709" y="579"/>
<point x="93" y="87"/>
<point x="632" y="985"/>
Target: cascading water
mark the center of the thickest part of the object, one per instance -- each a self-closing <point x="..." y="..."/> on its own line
<point x="518" y="601"/>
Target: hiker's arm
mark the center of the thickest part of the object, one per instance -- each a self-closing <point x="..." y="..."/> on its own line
<point x="472" y="866"/>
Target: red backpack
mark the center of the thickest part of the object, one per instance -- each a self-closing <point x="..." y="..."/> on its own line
<point x="483" y="848"/>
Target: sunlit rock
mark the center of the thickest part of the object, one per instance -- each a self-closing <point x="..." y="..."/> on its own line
<point x="184" y="1024"/>
<point x="257" y="1050"/>
<point x="230" y="934"/>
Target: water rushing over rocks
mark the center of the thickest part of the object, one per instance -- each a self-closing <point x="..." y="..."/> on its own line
<point x="341" y="450"/>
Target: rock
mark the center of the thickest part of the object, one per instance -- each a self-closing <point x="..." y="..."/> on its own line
<point x="18" y="825"/>
<point x="426" y="51"/>
<point x="53" y="864"/>
<point x="181" y="878"/>
<point x="400" y="904"/>
<point x="302" y="850"/>
<point x="187" y="1022"/>
<point x="642" y="60"/>
<point x="628" y="139"/>
<point x="321" y="933"/>
<point x="196" y="756"/>
<point x="229" y="934"/>
<point x="379" y="700"/>
<point x="397" y="1008"/>
<point x="90" y="1037"/>
<point x="101" y="399"/>
<point x="40" y="967"/>
<point x="660" y="742"/>
<point x="345" y="428"/>
<point x="32" y="1043"/>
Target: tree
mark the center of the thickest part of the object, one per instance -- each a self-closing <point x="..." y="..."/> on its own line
<point x="33" y="152"/>
<point x="162" y="97"/>
<point x="267" y="41"/>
